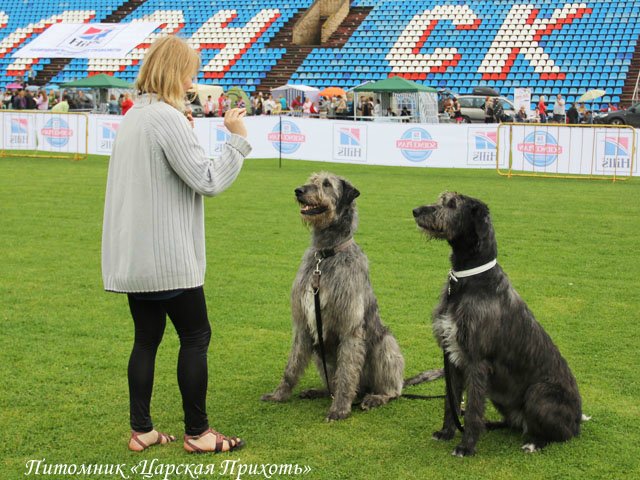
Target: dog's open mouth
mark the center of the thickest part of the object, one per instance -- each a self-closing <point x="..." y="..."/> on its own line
<point x="430" y="229"/>
<point x="312" y="209"/>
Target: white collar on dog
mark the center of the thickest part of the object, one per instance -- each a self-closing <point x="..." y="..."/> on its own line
<point x="453" y="275"/>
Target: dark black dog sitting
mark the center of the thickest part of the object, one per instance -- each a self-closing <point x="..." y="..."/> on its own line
<point x="496" y="348"/>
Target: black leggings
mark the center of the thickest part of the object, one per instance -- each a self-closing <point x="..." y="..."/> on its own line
<point x="188" y="313"/>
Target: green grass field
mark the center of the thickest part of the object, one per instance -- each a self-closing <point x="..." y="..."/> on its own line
<point x="569" y="246"/>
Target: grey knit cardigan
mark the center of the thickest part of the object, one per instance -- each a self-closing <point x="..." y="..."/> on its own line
<point x="153" y="229"/>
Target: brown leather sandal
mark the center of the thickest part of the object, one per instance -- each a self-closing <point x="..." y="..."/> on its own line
<point x="163" y="439"/>
<point x="234" y="443"/>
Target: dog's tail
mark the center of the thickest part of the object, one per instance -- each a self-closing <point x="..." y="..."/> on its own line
<point x="426" y="376"/>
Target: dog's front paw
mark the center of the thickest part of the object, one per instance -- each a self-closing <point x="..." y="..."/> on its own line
<point x="313" y="394"/>
<point x="444" y="434"/>
<point x="462" y="451"/>
<point x="332" y="416"/>
<point x="274" y="397"/>
<point x="372" y="401"/>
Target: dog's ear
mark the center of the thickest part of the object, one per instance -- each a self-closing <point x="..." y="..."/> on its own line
<point x="481" y="220"/>
<point x="349" y="193"/>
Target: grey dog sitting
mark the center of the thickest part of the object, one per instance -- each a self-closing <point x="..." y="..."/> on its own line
<point x="362" y="356"/>
<point x="493" y="344"/>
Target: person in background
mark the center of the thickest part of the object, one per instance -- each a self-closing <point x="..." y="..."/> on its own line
<point x="377" y="108"/>
<point x="42" y="101"/>
<point x="488" y="110"/>
<point x="341" y="107"/>
<point x="542" y="108"/>
<point x="114" y="108"/>
<point x="221" y="99"/>
<point x="63" y="105"/>
<point x="53" y="98"/>
<point x="366" y="108"/>
<point x="19" y="101"/>
<point x="536" y="115"/>
<point x="258" y="104"/>
<point x="559" y="110"/>
<point x="153" y="238"/>
<point x="84" y="102"/>
<point x="331" y="107"/>
<point x="588" y="117"/>
<point x="31" y="102"/>
<point x="581" y="110"/>
<point x="323" y="107"/>
<point x="350" y="105"/>
<point x="296" y="104"/>
<point x="283" y="104"/>
<point x="6" y="99"/>
<point x="498" y="110"/>
<point x="573" y="116"/>
<point x="521" y="115"/>
<point x="126" y="104"/>
<point x="269" y="105"/>
<point x="307" y="107"/>
<point x="209" y="107"/>
<point x="457" y="110"/>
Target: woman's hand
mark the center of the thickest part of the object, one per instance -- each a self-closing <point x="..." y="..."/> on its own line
<point x="234" y="123"/>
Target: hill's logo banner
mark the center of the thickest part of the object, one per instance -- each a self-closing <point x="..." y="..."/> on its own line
<point x="107" y="131"/>
<point x="613" y="152"/>
<point x="349" y="143"/>
<point x="87" y="40"/>
<point x="221" y="136"/>
<point x="19" y="132"/>
<point x="482" y="147"/>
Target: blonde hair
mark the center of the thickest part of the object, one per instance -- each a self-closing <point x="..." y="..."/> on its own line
<point x="167" y="64"/>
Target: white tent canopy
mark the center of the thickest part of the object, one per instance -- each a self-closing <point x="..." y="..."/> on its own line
<point x="204" y="90"/>
<point x="290" y="92"/>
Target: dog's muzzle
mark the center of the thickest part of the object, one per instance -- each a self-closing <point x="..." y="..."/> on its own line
<point x="308" y="208"/>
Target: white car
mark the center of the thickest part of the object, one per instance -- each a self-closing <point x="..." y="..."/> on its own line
<point x="472" y="108"/>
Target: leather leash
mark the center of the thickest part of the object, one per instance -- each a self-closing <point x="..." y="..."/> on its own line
<point x="321" y="255"/>
<point x="452" y="401"/>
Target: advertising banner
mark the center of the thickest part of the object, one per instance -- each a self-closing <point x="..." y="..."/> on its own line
<point x="18" y="131"/>
<point x="87" y="40"/>
<point x="534" y="148"/>
<point x="61" y="133"/>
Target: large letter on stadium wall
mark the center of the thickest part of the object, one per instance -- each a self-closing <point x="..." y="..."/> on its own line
<point x="520" y="33"/>
<point x="233" y="42"/>
<point x="405" y="57"/>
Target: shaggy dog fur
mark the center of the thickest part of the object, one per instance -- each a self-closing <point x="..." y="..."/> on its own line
<point x="363" y="358"/>
<point x="496" y="348"/>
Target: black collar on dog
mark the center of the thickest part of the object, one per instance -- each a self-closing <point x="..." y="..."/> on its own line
<point x="330" y="252"/>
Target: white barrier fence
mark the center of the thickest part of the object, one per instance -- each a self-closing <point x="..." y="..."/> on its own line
<point x="564" y="149"/>
<point x="44" y="134"/>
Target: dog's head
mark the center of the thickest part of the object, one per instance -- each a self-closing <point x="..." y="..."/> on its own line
<point x="459" y="219"/>
<point x="326" y="199"/>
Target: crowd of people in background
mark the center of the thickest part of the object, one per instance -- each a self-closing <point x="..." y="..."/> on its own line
<point x="575" y="114"/>
<point x="335" y="107"/>
<point x="61" y="101"/>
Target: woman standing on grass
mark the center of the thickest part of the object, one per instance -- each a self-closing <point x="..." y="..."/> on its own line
<point x="153" y="237"/>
